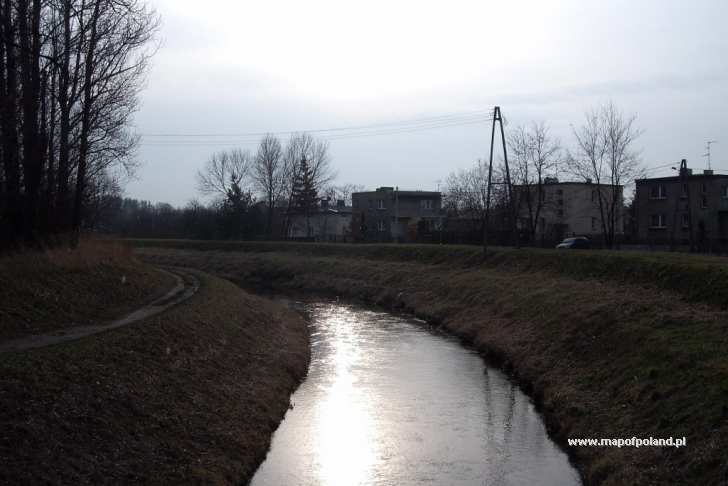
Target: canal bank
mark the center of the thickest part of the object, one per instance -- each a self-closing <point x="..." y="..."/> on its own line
<point x="189" y="396"/>
<point x="602" y="358"/>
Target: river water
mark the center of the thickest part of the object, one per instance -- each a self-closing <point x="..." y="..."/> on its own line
<point x="388" y="402"/>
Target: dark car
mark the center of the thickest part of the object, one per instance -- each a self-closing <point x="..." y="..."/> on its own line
<point x="576" y="243"/>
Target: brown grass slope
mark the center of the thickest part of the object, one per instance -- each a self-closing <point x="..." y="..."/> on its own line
<point x="189" y="396"/>
<point x="698" y="278"/>
<point x="56" y="289"/>
<point x="603" y="359"/>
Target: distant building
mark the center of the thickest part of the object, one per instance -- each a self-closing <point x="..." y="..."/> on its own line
<point x="327" y="223"/>
<point x="389" y="214"/>
<point x="667" y="207"/>
<point x="568" y="209"/>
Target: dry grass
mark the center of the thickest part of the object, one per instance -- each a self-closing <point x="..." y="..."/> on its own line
<point x="699" y="278"/>
<point x="43" y="291"/>
<point x="189" y="396"/>
<point x="602" y="357"/>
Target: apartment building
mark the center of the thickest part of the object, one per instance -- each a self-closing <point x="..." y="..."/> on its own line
<point x="390" y="214"/>
<point x="679" y="210"/>
<point x="567" y="209"/>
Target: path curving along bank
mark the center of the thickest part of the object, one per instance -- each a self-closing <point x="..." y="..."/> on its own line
<point x="191" y="395"/>
<point x="186" y="284"/>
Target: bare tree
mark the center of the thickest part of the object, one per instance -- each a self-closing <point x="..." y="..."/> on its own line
<point x="605" y="154"/>
<point x="342" y="192"/>
<point x="268" y="173"/>
<point x="223" y="171"/>
<point x="70" y="75"/>
<point x="535" y="156"/>
<point x="116" y="58"/>
<point x="303" y="146"/>
<point x="466" y="193"/>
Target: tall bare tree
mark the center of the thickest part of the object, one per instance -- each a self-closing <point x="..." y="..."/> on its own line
<point x="605" y="153"/>
<point x="535" y="156"/>
<point x="70" y="75"/>
<point x="223" y="171"/>
<point x="268" y="173"/>
<point x="303" y="146"/>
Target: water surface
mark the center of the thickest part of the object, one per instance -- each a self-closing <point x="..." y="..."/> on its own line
<point x="387" y="402"/>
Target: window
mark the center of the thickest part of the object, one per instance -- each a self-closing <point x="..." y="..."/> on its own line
<point x="560" y="213"/>
<point x="594" y="196"/>
<point x="381" y="226"/>
<point x="704" y="188"/>
<point x="355" y="203"/>
<point x="560" y="202"/>
<point x="724" y="191"/>
<point x="560" y="192"/>
<point x="380" y="204"/>
<point x="685" y="220"/>
<point x="658" y="191"/>
<point x="704" y="201"/>
<point x="594" y="224"/>
<point x="657" y="221"/>
<point x="371" y="204"/>
<point x="684" y="194"/>
<point x="426" y="204"/>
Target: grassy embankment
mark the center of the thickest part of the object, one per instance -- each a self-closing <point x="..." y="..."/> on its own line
<point x="48" y="291"/>
<point x="610" y="345"/>
<point x="191" y="395"/>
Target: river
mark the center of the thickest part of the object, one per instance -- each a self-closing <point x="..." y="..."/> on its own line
<point x="389" y="402"/>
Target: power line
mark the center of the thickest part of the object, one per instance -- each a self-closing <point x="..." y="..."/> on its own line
<point x="335" y="133"/>
<point x="430" y="119"/>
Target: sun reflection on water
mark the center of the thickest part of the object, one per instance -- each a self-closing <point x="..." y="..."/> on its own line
<point x="346" y="447"/>
<point x="385" y="402"/>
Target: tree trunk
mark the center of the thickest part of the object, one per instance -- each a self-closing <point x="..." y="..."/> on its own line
<point x="30" y="72"/>
<point x="62" y="196"/>
<point x="8" y="119"/>
<point x="85" y="128"/>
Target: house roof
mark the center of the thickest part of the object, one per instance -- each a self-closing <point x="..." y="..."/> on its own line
<point x="570" y="183"/>
<point x="676" y="178"/>
<point x="400" y="193"/>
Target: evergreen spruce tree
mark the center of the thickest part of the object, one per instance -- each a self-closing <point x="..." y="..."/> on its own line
<point x="304" y="193"/>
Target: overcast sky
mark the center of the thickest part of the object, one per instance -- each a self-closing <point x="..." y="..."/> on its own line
<point x="234" y="67"/>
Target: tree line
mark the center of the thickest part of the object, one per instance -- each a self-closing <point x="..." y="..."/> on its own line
<point x="70" y="75"/>
<point x="250" y="195"/>
<point x="603" y="152"/>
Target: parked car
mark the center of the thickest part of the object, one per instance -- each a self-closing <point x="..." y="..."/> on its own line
<point x="576" y="243"/>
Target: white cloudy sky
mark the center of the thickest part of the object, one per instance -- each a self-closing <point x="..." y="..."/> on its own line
<point x="232" y="66"/>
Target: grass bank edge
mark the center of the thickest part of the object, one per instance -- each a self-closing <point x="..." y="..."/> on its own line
<point x="191" y="395"/>
<point x="698" y="278"/>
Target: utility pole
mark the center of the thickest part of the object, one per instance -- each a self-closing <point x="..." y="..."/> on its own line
<point x="497" y="117"/>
